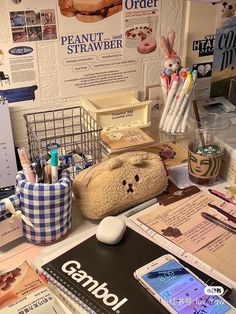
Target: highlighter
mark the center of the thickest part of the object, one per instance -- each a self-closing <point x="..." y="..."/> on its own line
<point x="29" y="173"/>
<point x="54" y="164"/>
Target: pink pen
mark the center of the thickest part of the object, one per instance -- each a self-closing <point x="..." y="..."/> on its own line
<point x="171" y="94"/>
<point x="224" y="197"/>
<point x="29" y="173"/>
<point x="164" y="85"/>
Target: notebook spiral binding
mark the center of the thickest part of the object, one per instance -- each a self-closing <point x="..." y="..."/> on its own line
<point x="66" y="291"/>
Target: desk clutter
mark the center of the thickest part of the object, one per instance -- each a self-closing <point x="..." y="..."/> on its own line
<point x="72" y="131"/>
<point x="62" y="143"/>
<point x="111" y="286"/>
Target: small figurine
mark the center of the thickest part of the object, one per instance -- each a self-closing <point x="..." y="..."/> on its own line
<point x="172" y="61"/>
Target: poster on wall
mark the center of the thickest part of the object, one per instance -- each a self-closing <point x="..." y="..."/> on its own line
<point x="224" y="61"/>
<point x="200" y="43"/>
<point x="29" y="24"/>
<point x="19" y="75"/>
<point x="140" y="28"/>
<point x="32" y="22"/>
<point x="91" y="49"/>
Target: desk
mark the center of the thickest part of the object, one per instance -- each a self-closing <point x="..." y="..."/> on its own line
<point x="20" y="249"/>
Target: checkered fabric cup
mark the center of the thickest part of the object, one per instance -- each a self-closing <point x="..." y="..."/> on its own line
<point x="45" y="206"/>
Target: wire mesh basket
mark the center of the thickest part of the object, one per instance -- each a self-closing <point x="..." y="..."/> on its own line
<point x="71" y="130"/>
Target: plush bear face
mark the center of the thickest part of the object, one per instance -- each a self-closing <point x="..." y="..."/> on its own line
<point x="119" y="183"/>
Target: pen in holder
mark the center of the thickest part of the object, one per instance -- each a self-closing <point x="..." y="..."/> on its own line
<point x="178" y="93"/>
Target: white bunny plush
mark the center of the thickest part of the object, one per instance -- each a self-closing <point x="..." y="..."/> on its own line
<point x="172" y="62"/>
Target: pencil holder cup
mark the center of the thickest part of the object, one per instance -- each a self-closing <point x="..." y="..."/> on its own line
<point x="174" y="120"/>
<point x="45" y="209"/>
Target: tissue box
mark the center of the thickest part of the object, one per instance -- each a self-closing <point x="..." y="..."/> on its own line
<point x="118" y="109"/>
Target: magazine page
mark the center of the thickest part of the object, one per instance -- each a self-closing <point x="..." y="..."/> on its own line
<point x="90" y="48"/>
<point x="140" y="29"/>
<point x="21" y="291"/>
<point x="224" y="60"/>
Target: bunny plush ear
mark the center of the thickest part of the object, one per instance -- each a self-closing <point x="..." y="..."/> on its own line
<point x="171" y="39"/>
<point x="164" y="44"/>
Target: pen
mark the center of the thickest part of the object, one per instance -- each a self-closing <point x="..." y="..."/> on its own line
<point x="173" y="102"/>
<point x="164" y="85"/>
<point x="29" y="173"/>
<point x="223" y="212"/>
<point x="178" y="101"/>
<point x="140" y="207"/>
<point x="218" y="222"/>
<point x="171" y="94"/>
<point x="184" y="103"/>
<point x="54" y="164"/>
<point x="187" y="112"/>
<point x="224" y="197"/>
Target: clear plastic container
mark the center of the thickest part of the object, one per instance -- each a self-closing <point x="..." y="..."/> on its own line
<point x="206" y="147"/>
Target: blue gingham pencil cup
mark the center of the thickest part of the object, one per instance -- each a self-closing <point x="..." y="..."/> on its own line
<point x="45" y="209"/>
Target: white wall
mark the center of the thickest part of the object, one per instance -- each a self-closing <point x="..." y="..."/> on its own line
<point x="172" y="17"/>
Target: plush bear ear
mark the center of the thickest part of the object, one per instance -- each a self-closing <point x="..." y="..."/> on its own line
<point x="115" y="163"/>
<point x="138" y="160"/>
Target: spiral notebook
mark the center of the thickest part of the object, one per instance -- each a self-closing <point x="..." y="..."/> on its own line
<point x="100" y="277"/>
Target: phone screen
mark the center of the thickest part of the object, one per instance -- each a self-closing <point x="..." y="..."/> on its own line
<point x="182" y="291"/>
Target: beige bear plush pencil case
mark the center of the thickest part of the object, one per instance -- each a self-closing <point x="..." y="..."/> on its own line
<point x="119" y="183"/>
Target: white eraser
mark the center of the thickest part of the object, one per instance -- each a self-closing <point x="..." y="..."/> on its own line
<point x="110" y="230"/>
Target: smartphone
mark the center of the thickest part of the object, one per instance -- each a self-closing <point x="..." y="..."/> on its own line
<point x="179" y="290"/>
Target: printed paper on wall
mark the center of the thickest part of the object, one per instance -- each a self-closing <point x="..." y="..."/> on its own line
<point x="140" y="28"/>
<point x="90" y="49"/>
<point x="19" y="74"/>
<point x="30" y="22"/>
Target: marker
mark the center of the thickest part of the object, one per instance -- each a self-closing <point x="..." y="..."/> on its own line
<point x="187" y="111"/>
<point x="54" y="164"/>
<point x="29" y="173"/>
<point x="171" y="94"/>
<point x="218" y="222"/>
<point x="179" y="111"/>
<point x="164" y="85"/>
<point x="224" y="197"/>
<point x="223" y="212"/>
<point x="178" y="101"/>
<point x="182" y="78"/>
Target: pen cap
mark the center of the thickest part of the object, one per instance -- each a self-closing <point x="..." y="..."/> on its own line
<point x="23" y="156"/>
<point x="54" y="157"/>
